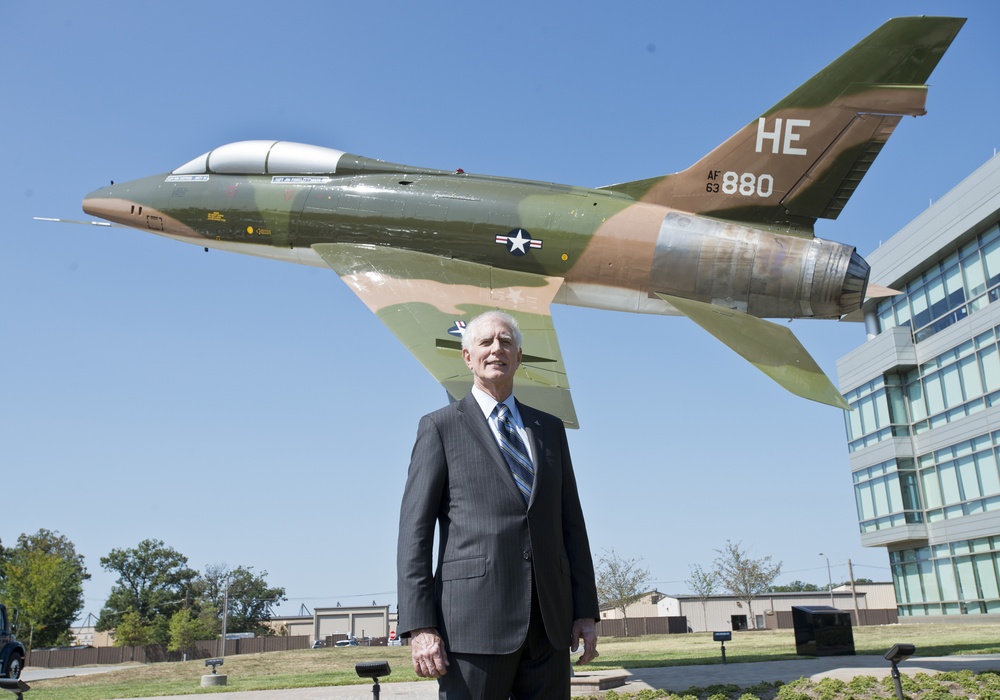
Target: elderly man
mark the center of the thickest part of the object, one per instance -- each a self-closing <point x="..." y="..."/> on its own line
<point x="514" y="586"/>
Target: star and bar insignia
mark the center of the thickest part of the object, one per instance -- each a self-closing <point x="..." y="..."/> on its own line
<point x="458" y="329"/>
<point x="519" y="241"/>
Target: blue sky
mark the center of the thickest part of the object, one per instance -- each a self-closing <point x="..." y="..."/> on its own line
<point x="252" y="412"/>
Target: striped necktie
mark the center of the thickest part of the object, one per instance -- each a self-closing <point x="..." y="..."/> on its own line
<point x="515" y="452"/>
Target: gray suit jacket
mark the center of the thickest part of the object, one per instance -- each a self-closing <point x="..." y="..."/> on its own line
<point x="490" y="546"/>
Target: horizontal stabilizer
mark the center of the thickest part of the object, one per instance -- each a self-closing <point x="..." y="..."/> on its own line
<point x="771" y="348"/>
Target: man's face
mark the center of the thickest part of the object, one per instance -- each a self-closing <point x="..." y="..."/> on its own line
<point x="493" y="358"/>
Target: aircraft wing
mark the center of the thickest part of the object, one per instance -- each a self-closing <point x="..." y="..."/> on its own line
<point x="771" y="348"/>
<point x="426" y="300"/>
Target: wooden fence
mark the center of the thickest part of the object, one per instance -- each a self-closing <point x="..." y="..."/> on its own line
<point x="639" y="626"/>
<point x="85" y="656"/>
<point x="886" y="616"/>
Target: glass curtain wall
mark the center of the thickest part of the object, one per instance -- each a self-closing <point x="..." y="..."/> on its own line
<point x="956" y="384"/>
<point x="960" y="480"/>
<point x="966" y="281"/>
<point x="960" y="578"/>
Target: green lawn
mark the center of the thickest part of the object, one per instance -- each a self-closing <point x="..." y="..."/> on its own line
<point x="324" y="667"/>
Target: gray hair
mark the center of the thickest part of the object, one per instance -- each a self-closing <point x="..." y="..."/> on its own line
<point x="472" y="328"/>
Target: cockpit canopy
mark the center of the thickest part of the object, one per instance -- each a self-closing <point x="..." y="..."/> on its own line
<point x="289" y="158"/>
<point x="264" y="158"/>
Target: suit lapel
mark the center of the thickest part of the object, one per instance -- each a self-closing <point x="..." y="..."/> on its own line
<point x="533" y="426"/>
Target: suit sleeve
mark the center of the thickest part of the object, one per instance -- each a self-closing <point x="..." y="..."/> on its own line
<point x="426" y="483"/>
<point x="583" y="581"/>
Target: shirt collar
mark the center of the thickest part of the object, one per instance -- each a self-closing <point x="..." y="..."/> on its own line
<point x="487" y="403"/>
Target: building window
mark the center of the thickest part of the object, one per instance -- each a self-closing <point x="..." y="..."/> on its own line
<point x="887" y="495"/>
<point x="951" y="482"/>
<point x="965" y="282"/>
<point x="880" y="412"/>
<point x="960" y="578"/>
<point x="953" y="385"/>
<point x="963" y="479"/>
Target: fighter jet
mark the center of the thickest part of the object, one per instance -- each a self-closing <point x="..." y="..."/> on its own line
<point x="728" y="242"/>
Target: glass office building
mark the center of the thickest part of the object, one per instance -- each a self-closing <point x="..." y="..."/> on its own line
<point x="924" y="435"/>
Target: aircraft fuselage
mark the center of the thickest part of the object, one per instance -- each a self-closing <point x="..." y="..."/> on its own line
<point x="611" y="251"/>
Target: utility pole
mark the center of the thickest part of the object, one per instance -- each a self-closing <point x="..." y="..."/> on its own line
<point x="829" y="578"/>
<point x="225" y="614"/>
<point x="854" y="592"/>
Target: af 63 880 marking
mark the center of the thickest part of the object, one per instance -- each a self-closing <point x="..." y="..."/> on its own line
<point x="747" y="184"/>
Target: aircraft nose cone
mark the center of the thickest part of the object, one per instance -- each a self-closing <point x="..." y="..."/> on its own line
<point x="107" y="204"/>
<point x="94" y="200"/>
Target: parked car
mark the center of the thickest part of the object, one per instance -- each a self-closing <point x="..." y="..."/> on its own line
<point x="319" y="644"/>
<point x="12" y="652"/>
<point x="346" y="643"/>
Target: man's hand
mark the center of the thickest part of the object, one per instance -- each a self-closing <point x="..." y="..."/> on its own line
<point x="429" y="657"/>
<point x="585" y="629"/>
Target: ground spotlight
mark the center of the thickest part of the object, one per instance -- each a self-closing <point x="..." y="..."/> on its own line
<point x="14" y="685"/>
<point x="899" y="652"/>
<point x="373" y="669"/>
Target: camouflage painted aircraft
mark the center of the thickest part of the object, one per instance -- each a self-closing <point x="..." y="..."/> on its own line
<point x="727" y="242"/>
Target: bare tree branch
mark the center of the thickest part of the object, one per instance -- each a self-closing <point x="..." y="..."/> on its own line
<point x="745" y="577"/>
<point x="620" y="582"/>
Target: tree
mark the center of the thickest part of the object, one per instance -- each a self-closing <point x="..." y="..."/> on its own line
<point x="132" y="630"/>
<point x="42" y="577"/>
<point x="744" y="577"/>
<point x="186" y="628"/>
<point x="797" y="586"/>
<point x="620" y="582"/>
<point x="154" y="582"/>
<point x="704" y="584"/>
<point x="250" y="597"/>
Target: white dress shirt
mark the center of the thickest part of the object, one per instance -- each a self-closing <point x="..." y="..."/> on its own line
<point x="487" y="403"/>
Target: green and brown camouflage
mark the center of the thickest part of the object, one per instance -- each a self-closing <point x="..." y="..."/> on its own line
<point x="727" y="242"/>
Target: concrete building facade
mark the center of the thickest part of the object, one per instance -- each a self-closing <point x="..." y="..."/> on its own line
<point x="358" y="621"/>
<point x="924" y="435"/>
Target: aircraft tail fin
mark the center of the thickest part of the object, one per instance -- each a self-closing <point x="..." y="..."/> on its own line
<point x="803" y="158"/>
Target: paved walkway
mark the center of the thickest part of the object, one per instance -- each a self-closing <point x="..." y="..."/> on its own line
<point x="843" y="667"/>
<point x="677" y="678"/>
<point x="36" y="673"/>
